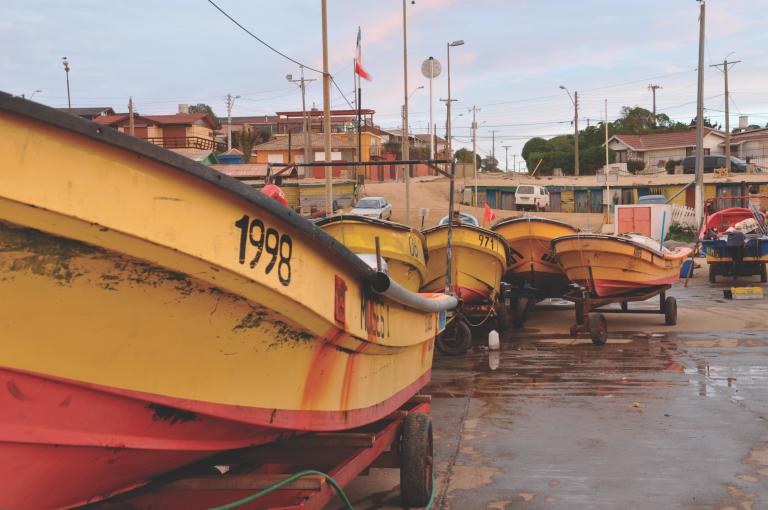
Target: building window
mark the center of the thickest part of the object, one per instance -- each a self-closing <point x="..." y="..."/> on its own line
<point x="274" y="158"/>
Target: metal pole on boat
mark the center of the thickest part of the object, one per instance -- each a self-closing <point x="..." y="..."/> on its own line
<point x="405" y="146"/>
<point x="448" y="249"/>
<point x="700" y="123"/>
<point x="607" y="171"/>
<point x="327" y="114"/>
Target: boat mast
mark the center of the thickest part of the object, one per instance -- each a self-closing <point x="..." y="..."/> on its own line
<point x="700" y="123"/>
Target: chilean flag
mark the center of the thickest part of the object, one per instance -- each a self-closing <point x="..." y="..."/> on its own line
<point x="359" y="61"/>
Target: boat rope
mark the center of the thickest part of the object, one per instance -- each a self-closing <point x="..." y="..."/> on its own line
<point x="301" y="474"/>
<point x="487" y="316"/>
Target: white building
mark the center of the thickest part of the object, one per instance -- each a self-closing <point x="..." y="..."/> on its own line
<point x="658" y="148"/>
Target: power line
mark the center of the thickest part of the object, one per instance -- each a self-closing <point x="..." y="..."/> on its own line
<point x="233" y="20"/>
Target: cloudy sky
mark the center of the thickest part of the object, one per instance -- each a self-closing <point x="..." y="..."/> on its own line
<point x="517" y="53"/>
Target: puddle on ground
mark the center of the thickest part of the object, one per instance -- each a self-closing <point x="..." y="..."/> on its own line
<point x="560" y="366"/>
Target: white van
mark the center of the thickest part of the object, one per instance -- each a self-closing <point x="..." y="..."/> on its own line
<point x="531" y="197"/>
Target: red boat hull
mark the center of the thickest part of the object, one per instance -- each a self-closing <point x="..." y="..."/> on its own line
<point x="605" y="288"/>
<point x="66" y="444"/>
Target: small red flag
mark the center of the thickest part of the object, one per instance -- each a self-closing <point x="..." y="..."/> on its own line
<point x="489" y="214"/>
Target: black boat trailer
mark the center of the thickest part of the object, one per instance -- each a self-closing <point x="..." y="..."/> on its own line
<point x="590" y="316"/>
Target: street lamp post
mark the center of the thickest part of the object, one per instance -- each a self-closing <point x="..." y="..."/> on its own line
<point x="448" y="127"/>
<point x="66" y="70"/>
<point x="575" y="101"/>
<point x="405" y="148"/>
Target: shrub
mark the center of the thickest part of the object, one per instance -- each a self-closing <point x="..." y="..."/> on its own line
<point x="681" y="232"/>
<point x="671" y="164"/>
<point x="635" y="165"/>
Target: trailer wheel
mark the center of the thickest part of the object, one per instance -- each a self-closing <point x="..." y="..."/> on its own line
<point x="670" y="311"/>
<point x="455" y="340"/>
<point x="598" y="328"/>
<point x="763" y="274"/>
<point x="712" y="273"/>
<point x="416" y="460"/>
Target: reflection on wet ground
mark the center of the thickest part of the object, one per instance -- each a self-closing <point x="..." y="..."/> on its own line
<point x="556" y="422"/>
<point x="653" y="419"/>
<point x="559" y="367"/>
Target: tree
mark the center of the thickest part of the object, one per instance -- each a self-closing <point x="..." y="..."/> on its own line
<point x="707" y="123"/>
<point x="489" y="164"/>
<point x="245" y="140"/>
<point x="394" y="147"/>
<point x="536" y="144"/>
<point x="465" y="156"/>
<point x="634" y="120"/>
<point x="204" y="108"/>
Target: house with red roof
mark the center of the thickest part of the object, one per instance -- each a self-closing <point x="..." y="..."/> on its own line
<point x="658" y="148"/>
<point x="177" y="131"/>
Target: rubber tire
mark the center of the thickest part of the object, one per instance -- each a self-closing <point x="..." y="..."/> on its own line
<point x="670" y="311"/>
<point x="598" y="328"/>
<point x="712" y="274"/>
<point x="763" y="273"/>
<point x="459" y="344"/>
<point x="416" y="460"/>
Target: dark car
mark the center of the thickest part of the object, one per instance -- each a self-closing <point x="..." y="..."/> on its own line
<point x="712" y="162"/>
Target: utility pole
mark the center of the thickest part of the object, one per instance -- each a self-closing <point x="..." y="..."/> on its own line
<point x="727" y="65"/>
<point x="66" y="70"/>
<point x="493" y="143"/>
<point x="229" y="122"/>
<point x="653" y="89"/>
<point x="700" y="122"/>
<point x="576" y="133"/>
<point x="506" y="158"/>
<point x="514" y="160"/>
<point x="327" y="114"/>
<point x="305" y="120"/>
<point x="406" y="151"/>
<point x="130" y="117"/>
<point x="474" y="150"/>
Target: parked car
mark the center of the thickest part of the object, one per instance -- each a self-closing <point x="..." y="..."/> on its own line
<point x="463" y="217"/>
<point x="531" y="197"/>
<point x="712" y="162"/>
<point x="373" y="207"/>
<point x="652" y="199"/>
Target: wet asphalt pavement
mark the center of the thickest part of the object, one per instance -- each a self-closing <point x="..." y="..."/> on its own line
<point x="660" y="417"/>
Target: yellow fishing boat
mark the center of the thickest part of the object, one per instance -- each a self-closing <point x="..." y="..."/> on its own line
<point x="157" y="312"/>
<point x="615" y="265"/>
<point x="478" y="261"/>
<point x="402" y="247"/>
<point x="532" y="265"/>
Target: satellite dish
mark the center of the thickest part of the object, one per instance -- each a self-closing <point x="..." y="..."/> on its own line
<point x="431" y="68"/>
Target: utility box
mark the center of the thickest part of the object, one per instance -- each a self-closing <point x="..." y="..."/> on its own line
<point x="643" y="219"/>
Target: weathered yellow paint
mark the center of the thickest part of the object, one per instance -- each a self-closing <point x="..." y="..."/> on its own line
<point x="479" y="258"/>
<point x="567" y="200"/>
<point x="671" y="190"/>
<point x="134" y="266"/>
<point x="401" y="247"/>
<point x="710" y="191"/>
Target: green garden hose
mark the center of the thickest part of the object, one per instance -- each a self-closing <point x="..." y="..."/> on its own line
<point x="301" y="474"/>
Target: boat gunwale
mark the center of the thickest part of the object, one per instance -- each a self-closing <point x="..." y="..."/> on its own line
<point x="112" y="137"/>
<point x="606" y="237"/>
<point x="520" y="219"/>
<point x="476" y="228"/>
<point x="364" y="219"/>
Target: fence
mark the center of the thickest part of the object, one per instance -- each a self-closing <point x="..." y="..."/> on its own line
<point x="683" y="215"/>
